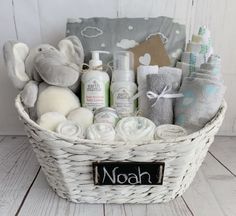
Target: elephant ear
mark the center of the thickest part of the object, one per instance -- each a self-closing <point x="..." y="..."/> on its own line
<point x="15" y="54"/>
<point x="72" y="49"/>
<point x="29" y="94"/>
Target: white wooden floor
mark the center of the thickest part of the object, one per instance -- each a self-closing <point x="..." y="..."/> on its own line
<point x="24" y="190"/>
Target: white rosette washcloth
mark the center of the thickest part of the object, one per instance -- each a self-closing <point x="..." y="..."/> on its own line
<point x="50" y="120"/>
<point x="101" y="131"/>
<point x="135" y="129"/>
<point x="169" y="131"/>
<point x="70" y="129"/>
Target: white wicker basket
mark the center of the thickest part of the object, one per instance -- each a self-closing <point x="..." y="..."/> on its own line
<point x="67" y="163"/>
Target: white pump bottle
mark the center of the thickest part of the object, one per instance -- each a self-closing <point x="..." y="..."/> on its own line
<point x="123" y="86"/>
<point x="95" y="84"/>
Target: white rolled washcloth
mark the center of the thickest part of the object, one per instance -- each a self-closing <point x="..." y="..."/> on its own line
<point x="50" y="120"/>
<point x="101" y="131"/>
<point x="135" y="129"/>
<point x="70" y="129"/>
<point x="169" y="131"/>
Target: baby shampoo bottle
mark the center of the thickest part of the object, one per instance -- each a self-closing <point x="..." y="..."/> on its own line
<point x="95" y="84"/>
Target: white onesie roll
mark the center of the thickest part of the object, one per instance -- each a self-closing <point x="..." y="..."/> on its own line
<point x="82" y="116"/>
<point x="56" y="99"/>
<point x="135" y="129"/>
<point x="50" y="120"/>
<point x="169" y="131"/>
<point x="142" y="72"/>
<point x="70" y="129"/>
<point x="101" y="131"/>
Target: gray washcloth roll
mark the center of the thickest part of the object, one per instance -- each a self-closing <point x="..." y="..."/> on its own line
<point x="162" y="90"/>
<point x="201" y="101"/>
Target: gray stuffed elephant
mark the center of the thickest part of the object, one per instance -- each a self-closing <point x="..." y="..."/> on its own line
<point x="43" y="66"/>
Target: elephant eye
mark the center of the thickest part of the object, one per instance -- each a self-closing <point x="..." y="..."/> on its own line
<point x="40" y="49"/>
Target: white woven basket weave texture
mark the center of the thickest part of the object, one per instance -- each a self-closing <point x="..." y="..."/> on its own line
<point x="67" y="163"/>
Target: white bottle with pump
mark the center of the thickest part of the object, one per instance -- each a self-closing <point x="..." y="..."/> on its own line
<point x="123" y="86"/>
<point x="95" y="84"/>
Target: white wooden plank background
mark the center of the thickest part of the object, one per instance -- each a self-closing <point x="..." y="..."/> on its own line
<point x="25" y="192"/>
<point x="34" y="21"/>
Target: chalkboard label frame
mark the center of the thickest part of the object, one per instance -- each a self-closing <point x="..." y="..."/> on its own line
<point x="128" y="173"/>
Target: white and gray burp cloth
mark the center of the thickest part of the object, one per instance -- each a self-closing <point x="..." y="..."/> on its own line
<point x="114" y="34"/>
<point x="197" y="52"/>
<point x="203" y="94"/>
<point x="162" y="89"/>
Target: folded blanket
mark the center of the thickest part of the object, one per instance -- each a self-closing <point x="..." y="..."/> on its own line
<point x="162" y="90"/>
<point x="70" y="129"/>
<point x="169" y="131"/>
<point x="124" y="33"/>
<point x="135" y="129"/>
<point x="201" y="101"/>
<point x="50" y="120"/>
<point x="101" y="131"/>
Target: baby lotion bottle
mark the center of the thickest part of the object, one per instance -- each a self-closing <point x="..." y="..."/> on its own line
<point x="123" y="86"/>
<point x="95" y="84"/>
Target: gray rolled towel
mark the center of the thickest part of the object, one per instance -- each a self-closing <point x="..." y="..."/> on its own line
<point x="162" y="90"/>
<point x="201" y="101"/>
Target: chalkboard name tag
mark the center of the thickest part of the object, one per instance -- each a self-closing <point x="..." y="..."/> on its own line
<point x="128" y="173"/>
